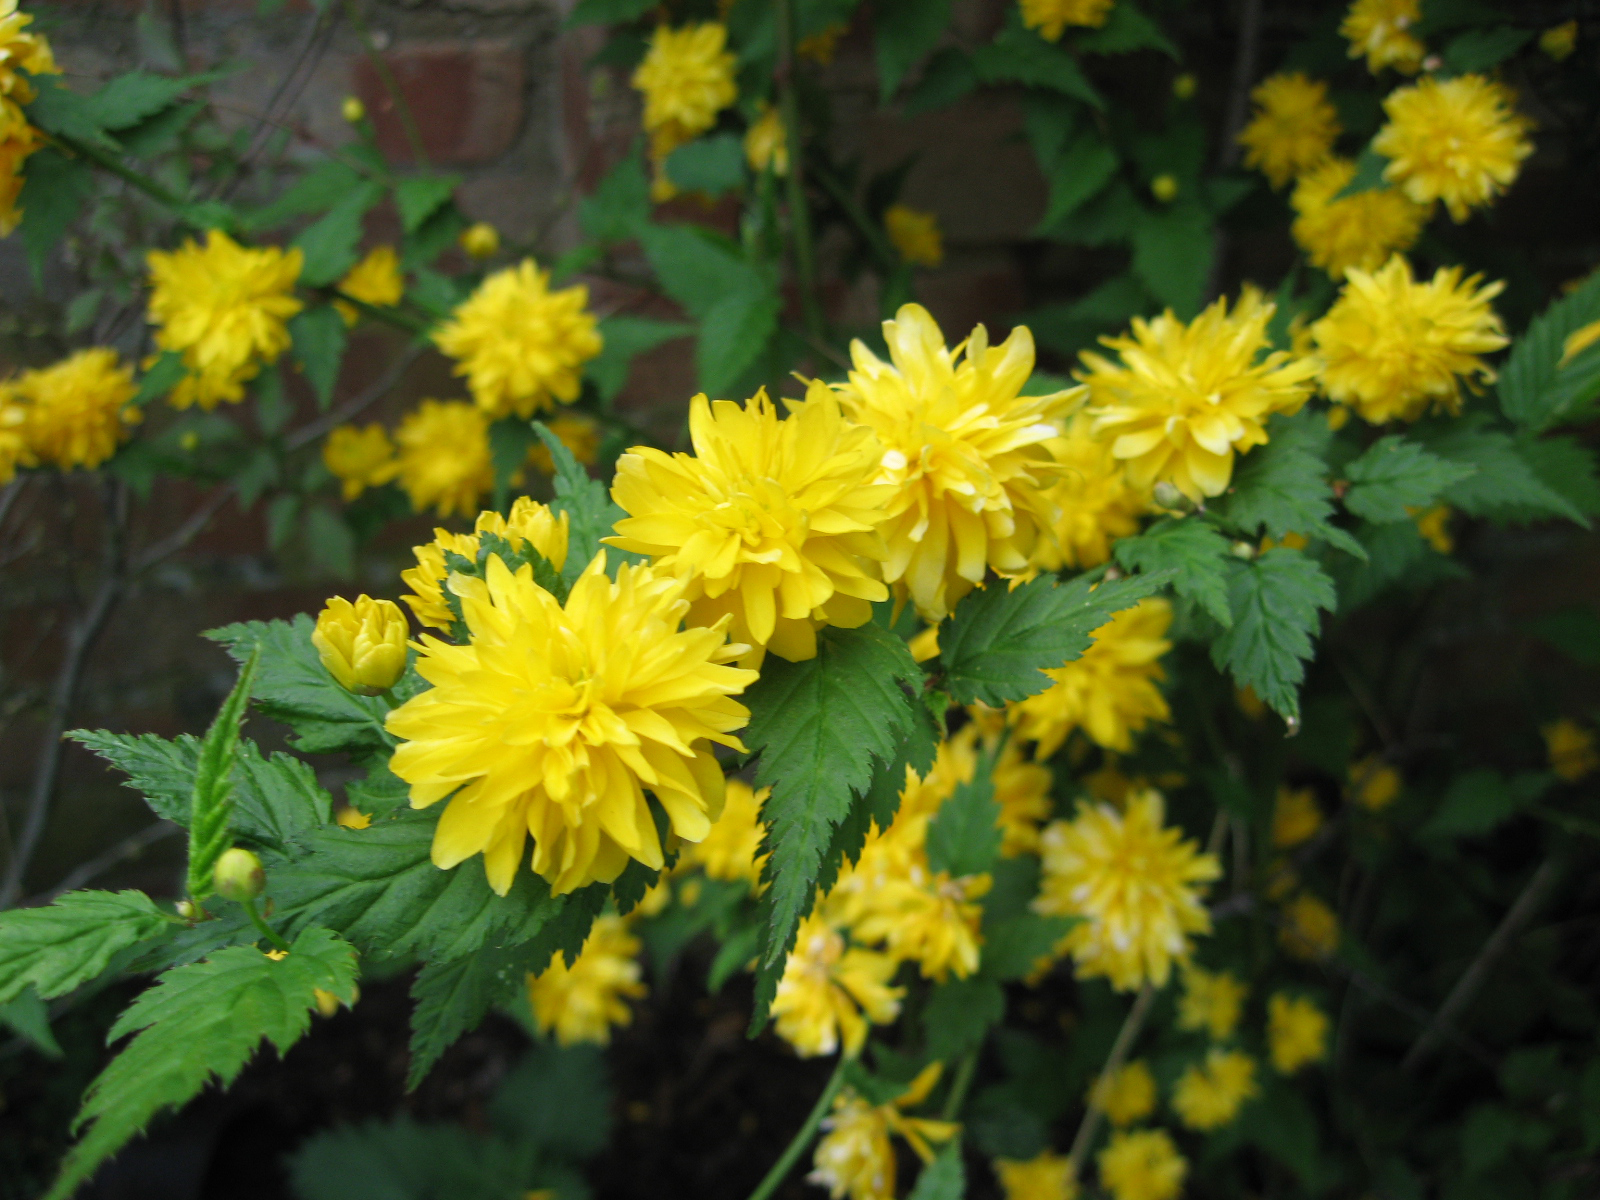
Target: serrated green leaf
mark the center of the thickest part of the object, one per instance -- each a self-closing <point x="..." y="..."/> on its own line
<point x="1013" y="948"/>
<point x="63" y="945"/>
<point x="947" y="77"/>
<point x="620" y="206"/>
<point x="58" y="109"/>
<point x="403" y="1159"/>
<point x="964" y="835"/>
<point x="128" y="99"/>
<point x="1126" y="29"/>
<point x="1395" y="475"/>
<point x="418" y="197"/>
<point x="904" y="31"/>
<point x="697" y="267"/>
<point x="211" y="803"/>
<point x="1536" y="391"/>
<point x="1019" y="55"/>
<point x="734" y="332"/>
<point x="1370" y="166"/>
<point x="27" y="1016"/>
<point x="624" y="337"/>
<point x="1172" y="252"/>
<point x="945" y="1178"/>
<point x="329" y="243"/>
<point x="1567" y="467"/>
<point x="591" y="513"/>
<point x="1193" y="552"/>
<point x="1481" y="49"/>
<point x="55" y="189"/>
<point x="1282" y="488"/>
<point x="1504" y="484"/>
<point x="1083" y="168"/>
<point x="200" y="1022"/>
<point x="318" y="190"/>
<point x="1275" y="602"/>
<point x="1480" y="801"/>
<point x="1000" y="640"/>
<point x="320" y="339"/>
<point x="713" y="164"/>
<point x="960" y="1014"/>
<point x="558" y="1099"/>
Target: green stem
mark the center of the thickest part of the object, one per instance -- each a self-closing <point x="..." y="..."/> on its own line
<point x="960" y="1085"/>
<point x="805" y="264"/>
<point x="858" y="215"/>
<point x="802" y="1139"/>
<point x="127" y="174"/>
<point x="261" y="925"/>
<point x="1120" y="1049"/>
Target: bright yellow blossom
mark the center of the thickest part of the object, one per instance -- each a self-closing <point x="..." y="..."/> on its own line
<point x="1187" y="397"/>
<point x="686" y="78"/>
<point x="1211" y="1000"/>
<point x="360" y="458"/>
<point x="74" y="413"/>
<point x="1126" y="1095"/>
<point x="22" y="54"/>
<point x="530" y="524"/>
<point x="855" y="1159"/>
<point x="1362" y="230"/>
<point x="582" y="1002"/>
<point x="1297" y="1032"/>
<point x="225" y="308"/>
<point x="362" y="645"/>
<point x="1293" y="129"/>
<point x="1571" y="750"/>
<point x="1110" y="691"/>
<point x="732" y="850"/>
<point x="1046" y="1176"/>
<point x="1380" y="31"/>
<point x="1459" y="141"/>
<point x="520" y="345"/>
<point x="769" y="522"/>
<point x="444" y="456"/>
<point x="1135" y="882"/>
<point x="375" y="280"/>
<point x="1374" y="784"/>
<point x="1209" y="1095"/>
<point x="1051" y="17"/>
<point x="1295" y="817"/>
<point x="552" y="720"/>
<point x="915" y="235"/>
<point x="829" y="994"/>
<point x="1392" y="348"/>
<point x="1310" y="929"/>
<point x="480" y="240"/>
<point x="766" y="143"/>
<point x="929" y="918"/>
<point x="1092" y="504"/>
<point x="963" y="450"/>
<point x="1142" y="1164"/>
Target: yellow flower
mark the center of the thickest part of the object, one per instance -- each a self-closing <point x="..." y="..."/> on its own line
<point x="829" y="994"/>
<point x="769" y="522"/>
<point x="74" y="413"/>
<point x="1578" y="341"/>
<point x="444" y="456"/>
<point x="375" y="280"/>
<point x="363" y="645"/>
<point x="1571" y="749"/>
<point x="1135" y="882"/>
<point x="582" y="1002"/>
<point x="1455" y="140"/>
<point x="1046" y="1176"/>
<point x="1392" y="348"/>
<point x="1310" y="929"/>
<point x="1125" y="1095"/>
<point x="1559" y="41"/>
<point x="1293" y="129"/>
<point x="855" y="1157"/>
<point x="1209" y="1095"/>
<point x="530" y="524"/>
<point x="1434" y="526"/>
<point x="521" y="346"/>
<point x="1295" y="817"/>
<point x="360" y="458"/>
<point x="1362" y="230"/>
<point x="1374" y="784"/>
<point x="732" y="850"/>
<point x="965" y="452"/>
<point x="687" y="78"/>
<point x="1187" y="397"/>
<point x="1092" y="503"/>
<point x="928" y="918"/>
<point x="1297" y="1032"/>
<point x="1380" y="30"/>
<point x="21" y="51"/>
<point x="480" y="240"/>
<point x="766" y="143"/>
<point x="1051" y="17"/>
<point x="578" y="432"/>
<point x="1110" y="691"/>
<point x="1142" y="1164"/>
<point x="1211" y="1001"/>
<point x="551" y="721"/>
<point x="915" y="235"/>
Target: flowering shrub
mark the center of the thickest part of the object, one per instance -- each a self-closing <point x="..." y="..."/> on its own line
<point x="1034" y="742"/>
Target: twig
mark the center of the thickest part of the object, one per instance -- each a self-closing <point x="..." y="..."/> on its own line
<point x="805" y="265"/>
<point x="129" y="847"/>
<point x="390" y="84"/>
<point x="1094" y="1115"/>
<point x="960" y="1085"/>
<point x="356" y="404"/>
<point x="307" y="55"/>
<point x="802" y="1138"/>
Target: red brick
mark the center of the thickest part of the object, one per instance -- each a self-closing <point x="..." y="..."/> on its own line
<point x="466" y="98"/>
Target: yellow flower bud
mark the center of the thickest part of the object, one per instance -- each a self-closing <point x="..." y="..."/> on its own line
<point x="1164" y="188"/>
<point x="363" y="645"/>
<point x="481" y="241"/>
<point x="238" y="875"/>
<point x="353" y="109"/>
<point x="1183" y="87"/>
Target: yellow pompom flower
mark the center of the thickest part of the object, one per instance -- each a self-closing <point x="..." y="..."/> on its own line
<point x="584" y="1001"/>
<point x="1571" y="750"/>
<point x="915" y="235"/>
<point x="1209" y="1095"/>
<point x="1293" y="129"/>
<point x="1374" y="784"/>
<point x="1459" y="141"/>
<point x="552" y="720"/>
<point x="1295" y="817"/>
<point x="766" y="143"/>
<point x="732" y="850"/>
<point x="1187" y="397"/>
<point x="1362" y="230"/>
<point x="360" y="458"/>
<point x="375" y="280"/>
<point x="530" y="524"/>
<point x="1135" y="882"/>
<point x="1211" y="1000"/>
<point x="1310" y="929"/>
<point x="1046" y="1176"/>
<point x="855" y="1158"/>
<point x="520" y="345"/>
<point x="829" y="994"/>
<point x="1142" y="1164"/>
<point x="444" y="456"/>
<point x="1126" y="1095"/>
<point x="1092" y="503"/>
<point x="1051" y="17"/>
<point x="1110" y="691"/>
<point x="225" y="308"/>
<point x="769" y="523"/>
<point x="928" y="918"/>
<point x="1297" y="1032"/>
<point x="964" y="451"/>
<point x="1380" y="31"/>
<point x="362" y="645"/>
<point x="687" y="78"/>
<point x="1392" y="348"/>
<point x="480" y="240"/>
<point x="74" y="413"/>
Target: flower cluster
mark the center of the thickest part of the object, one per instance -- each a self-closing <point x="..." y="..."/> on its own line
<point x="686" y="78"/>
<point x="22" y="54"/>
<point x="74" y="413"/>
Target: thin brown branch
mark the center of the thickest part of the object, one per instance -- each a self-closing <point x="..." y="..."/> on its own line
<point x="129" y="847"/>
<point x="1120" y="1049"/>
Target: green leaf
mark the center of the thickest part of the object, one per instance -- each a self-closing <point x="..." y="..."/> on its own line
<point x="1193" y="551"/>
<point x="418" y="197"/>
<point x="1085" y="167"/>
<point x="1013" y="948"/>
<point x="904" y="31"/>
<point x="1126" y="29"/>
<point x="1573" y="631"/>
<point x="697" y="267"/>
<point x="947" y="78"/>
<point x="1482" y="49"/>
<point x="964" y="835"/>
<point x="200" y="1022"/>
<point x="1567" y="467"/>
<point x="404" y="1160"/>
<point x="211" y="806"/>
<point x="58" y="109"/>
<point x="558" y="1099"/>
<point x="1370" y="166"/>
<point x="1536" y="392"/>
<point x="1505" y="485"/>
<point x="318" y="190"/>
<point x="54" y="190"/>
<point x="61" y="946"/>
<point x="1172" y="252"/>
<point x="163" y="375"/>
<point x="960" y="1014"/>
<point x="329" y="244"/>
<point x="1281" y="488"/>
<point x="27" y="1017"/>
<point x="294" y="687"/>
<point x="591" y="513"/>
<point x="712" y="164"/>
<point x="998" y="643"/>
<point x="1396" y="555"/>
<point x="945" y="1178"/>
<point x="331" y="541"/>
<point x="607" y="12"/>
<point x="1480" y="801"/>
<point x="625" y="337"/>
<point x="733" y="334"/>
<point x="620" y="207"/>
<point x="1018" y="55"/>
<point x="1275" y="602"/>
<point x="128" y="99"/>
<point x="1395" y="474"/>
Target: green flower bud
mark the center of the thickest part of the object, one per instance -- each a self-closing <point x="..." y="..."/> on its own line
<point x="239" y="875"/>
